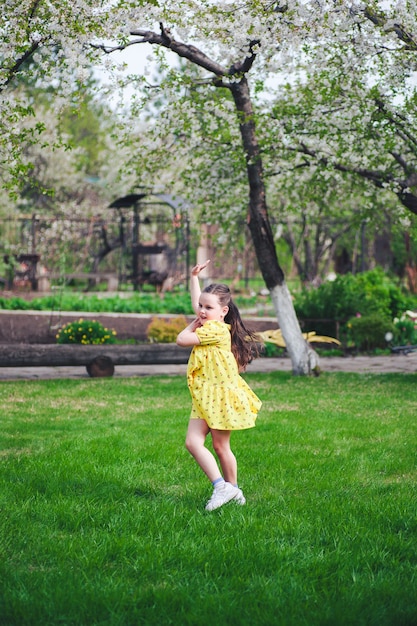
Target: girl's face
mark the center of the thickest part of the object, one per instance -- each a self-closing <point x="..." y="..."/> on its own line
<point x="209" y="308"/>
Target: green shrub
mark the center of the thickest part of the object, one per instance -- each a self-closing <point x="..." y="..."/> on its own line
<point x="15" y="304"/>
<point x="165" y="330"/>
<point x="367" y="332"/>
<point x="176" y="303"/>
<point x="85" y="332"/>
<point x="405" y="331"/>
<point x="335" y="302"/>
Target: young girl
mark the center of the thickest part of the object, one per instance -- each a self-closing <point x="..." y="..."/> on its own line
<point x="221" y="400"/>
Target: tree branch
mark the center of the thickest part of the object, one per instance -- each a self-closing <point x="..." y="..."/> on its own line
<point x="110" y="49"/>
<point x="244" y="66"/>
<point x="381" y="20"/>
<point x="186" y="51"/>
<point x="379" y="179"/>
<point x="13" y="70"/>
<point x="400" y="123"/>
<point x="400" y="160"/>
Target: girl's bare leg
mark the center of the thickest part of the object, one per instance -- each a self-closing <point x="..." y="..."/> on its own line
<point x="194" y="442"/>
<point x="221" y="445"/>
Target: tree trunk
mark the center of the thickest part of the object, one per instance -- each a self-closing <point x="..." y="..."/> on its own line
<point x="304" y="360"/>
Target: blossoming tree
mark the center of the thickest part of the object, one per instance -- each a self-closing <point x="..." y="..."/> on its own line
<point x="224" y="49"/>
<point x="233" y="42"/>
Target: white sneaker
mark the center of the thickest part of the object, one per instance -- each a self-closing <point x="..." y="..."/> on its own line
<point x="222" y="494"/>
<point x="239" y="497"/>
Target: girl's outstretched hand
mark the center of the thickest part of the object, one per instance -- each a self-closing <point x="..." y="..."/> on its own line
<point x="199" y="268"/>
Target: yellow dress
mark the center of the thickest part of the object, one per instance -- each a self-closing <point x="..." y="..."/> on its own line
<point x="219" y="394"/>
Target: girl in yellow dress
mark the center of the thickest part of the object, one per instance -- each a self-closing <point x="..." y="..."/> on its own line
<point x="222" y="401"/>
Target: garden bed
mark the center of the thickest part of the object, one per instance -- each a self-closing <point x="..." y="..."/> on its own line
<point x="41" y="327"/>
<point x="28" y="339"/>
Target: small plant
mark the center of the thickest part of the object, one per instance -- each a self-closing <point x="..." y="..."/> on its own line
<point x="405" y="330"/>
<point x="165" y="330"/>
<point x="271" y="350"/>
<point x="85" y="332"/>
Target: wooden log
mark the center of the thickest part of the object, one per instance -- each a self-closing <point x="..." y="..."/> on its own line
<point x="46" y="355"/>
<point x="100" y="367"/>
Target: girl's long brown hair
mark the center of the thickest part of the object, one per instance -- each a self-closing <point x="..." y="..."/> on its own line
<point x="244" y="346"/>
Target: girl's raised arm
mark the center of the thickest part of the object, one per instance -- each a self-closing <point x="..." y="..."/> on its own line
<point x="195" y="285"/>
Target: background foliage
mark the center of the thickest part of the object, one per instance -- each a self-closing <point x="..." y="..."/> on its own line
<point x="370" y="300"/>
<point x="334" y="102"/>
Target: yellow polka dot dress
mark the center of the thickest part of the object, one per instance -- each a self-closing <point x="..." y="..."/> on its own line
<point x="219" y="394"/>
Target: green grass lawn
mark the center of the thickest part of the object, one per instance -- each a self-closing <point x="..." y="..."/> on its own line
<point x="102" y="509"/>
